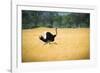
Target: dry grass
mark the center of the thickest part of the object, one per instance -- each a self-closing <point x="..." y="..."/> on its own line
<point x="72" y="44"/>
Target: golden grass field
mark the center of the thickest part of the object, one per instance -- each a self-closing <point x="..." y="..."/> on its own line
<point x="72" y="44"/>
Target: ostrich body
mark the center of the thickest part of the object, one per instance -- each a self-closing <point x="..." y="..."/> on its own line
<point x="49" y="37"/>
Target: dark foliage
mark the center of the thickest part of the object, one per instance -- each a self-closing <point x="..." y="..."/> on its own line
<point x="33" y="19"/>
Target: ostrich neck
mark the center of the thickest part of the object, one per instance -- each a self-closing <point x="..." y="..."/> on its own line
<point x="56" y="31"/>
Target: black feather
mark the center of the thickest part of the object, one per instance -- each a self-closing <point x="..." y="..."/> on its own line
<point x="49" y="37"/>
<point x="41" y="38"/>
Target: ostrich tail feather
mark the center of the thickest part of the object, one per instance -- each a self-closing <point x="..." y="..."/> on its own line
<point x="41" y="38"/>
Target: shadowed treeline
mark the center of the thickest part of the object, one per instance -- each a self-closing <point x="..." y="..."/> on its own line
<point x="32" y="19"/>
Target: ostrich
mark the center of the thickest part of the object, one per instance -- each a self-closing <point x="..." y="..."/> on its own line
<point x="49" y="37"/>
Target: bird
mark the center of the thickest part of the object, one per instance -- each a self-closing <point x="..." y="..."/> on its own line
<point x="48" y="37"/>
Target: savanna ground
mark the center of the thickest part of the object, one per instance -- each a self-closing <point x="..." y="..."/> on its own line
<point x="71" y="44"/>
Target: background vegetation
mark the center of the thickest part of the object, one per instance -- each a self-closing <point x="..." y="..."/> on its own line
<point x="32" y="19"/>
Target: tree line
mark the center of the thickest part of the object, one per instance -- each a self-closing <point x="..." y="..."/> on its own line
<point x="33" y="19"/>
